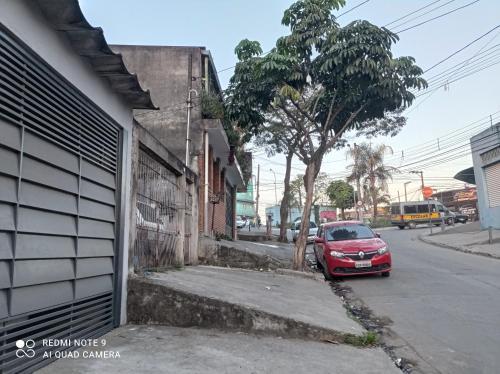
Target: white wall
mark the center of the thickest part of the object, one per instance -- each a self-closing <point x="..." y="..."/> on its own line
<point x="25" y="20"/>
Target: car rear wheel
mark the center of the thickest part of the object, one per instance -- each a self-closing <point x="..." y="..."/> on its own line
<point x="401" y="227"/>
<point x="386" y="274"/>
<point x="412" y="224"/>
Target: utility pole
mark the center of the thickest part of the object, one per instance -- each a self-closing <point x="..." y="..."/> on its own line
<point x="406" y="196"/>
<point x="421" y="173"/>
<point x="189" y="107"/>
<point x="257" y="197"/>
<point x="275" y="191"/>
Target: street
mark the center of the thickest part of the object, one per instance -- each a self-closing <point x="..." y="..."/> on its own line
<point x="444" y="304"/>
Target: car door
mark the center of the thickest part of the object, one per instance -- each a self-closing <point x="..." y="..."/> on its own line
<point x="319" y="247"/>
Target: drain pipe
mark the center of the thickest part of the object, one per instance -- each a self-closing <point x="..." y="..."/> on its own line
<point x="189" y="107"/>
<point x="206" y="183"/>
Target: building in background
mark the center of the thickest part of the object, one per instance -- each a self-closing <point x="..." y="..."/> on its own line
<point x="170" y="73"/>
<point x="294" y="214"/>
<point x="245" y="204"/>
<point x="485" y="148"/>
<point x="462" y="200"/>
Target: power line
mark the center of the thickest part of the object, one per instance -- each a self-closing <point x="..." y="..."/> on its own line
<point x="350" y="10"/>
<point x="423" y="14"/>
<point x="440" y="16"/>
<point x="461" y="49"/>
<point x="483" y="53"/>
<point x="409" y="14"/>
<point x="459" y="78"/>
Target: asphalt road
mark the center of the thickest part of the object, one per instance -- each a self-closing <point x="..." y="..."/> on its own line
<point x="444" y="305"/>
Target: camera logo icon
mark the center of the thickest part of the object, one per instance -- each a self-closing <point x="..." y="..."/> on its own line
<point x="25" y="348"/>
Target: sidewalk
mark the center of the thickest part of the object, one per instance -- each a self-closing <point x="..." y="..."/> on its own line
<point x="262" y="302"/>
<point x="468" y="238"/>
<point x="161" y="349"/>
<point x="218" y="320"/>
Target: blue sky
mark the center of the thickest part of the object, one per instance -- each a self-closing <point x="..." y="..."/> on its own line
<point x="221" y="24"/>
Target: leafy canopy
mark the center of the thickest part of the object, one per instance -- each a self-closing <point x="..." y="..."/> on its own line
<point x="337" y="78"/>
<point x="341" y="194"/>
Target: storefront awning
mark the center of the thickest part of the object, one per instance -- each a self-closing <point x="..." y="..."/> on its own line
<point x="466" y="175"/>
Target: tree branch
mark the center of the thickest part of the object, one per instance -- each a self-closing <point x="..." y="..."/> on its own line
<point x="351" y="118"/>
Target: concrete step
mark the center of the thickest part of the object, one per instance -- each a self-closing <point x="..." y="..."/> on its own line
<point x="237" y="300"/>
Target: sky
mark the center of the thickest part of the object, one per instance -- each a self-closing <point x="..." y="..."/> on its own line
<point x="439" y="123"/>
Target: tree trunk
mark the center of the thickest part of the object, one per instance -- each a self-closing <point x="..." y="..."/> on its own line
<point x="285" y="202"/>
<point x="373" y="190"/>
<point x="342" y="213"/>
<point x="312" y="170"/>
<point x="375" y="204"/>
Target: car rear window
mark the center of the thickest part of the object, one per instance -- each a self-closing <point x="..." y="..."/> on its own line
<point x="348" y="232"/>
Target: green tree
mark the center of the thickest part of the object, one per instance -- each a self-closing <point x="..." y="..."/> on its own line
<point x="370" y="171"/>
<point x="341" y="195"/>
<point x="377" y="174"/>
<point x="297" y="192"/>
<point x="326" y="80"/>
<point x="273" y="138"/>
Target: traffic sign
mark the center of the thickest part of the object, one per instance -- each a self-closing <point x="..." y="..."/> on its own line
<point x="427" y="192"/>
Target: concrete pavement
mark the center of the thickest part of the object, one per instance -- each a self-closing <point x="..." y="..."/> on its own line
<point x="305" y="301"/>
<point x="467" y="238"/>
<point x="443" y="305"/>
<point x="160" y="349"/>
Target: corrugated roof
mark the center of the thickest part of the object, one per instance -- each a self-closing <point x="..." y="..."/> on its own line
<point x="89" y="42"/>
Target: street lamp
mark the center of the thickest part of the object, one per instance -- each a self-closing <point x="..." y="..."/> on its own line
<point x="406" y="196"/>
<point x="275" y="191"/>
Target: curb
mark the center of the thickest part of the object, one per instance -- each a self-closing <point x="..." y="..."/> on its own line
<point x="158" y="304"/>
<point x="424" y="239"/>
<point x="300" y="274"/>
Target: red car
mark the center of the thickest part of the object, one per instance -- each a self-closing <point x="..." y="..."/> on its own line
<point x="350" y="248"/>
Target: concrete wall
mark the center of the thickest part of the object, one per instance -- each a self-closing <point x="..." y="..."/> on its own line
<point x="24" y="19"/>
<point x="165" y="72"/>
<point x="481" y="144"/>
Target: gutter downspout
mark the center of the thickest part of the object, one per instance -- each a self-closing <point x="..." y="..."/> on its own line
<point x="205" y="213"/>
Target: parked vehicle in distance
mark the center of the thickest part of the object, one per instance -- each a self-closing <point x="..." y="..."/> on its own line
<point x="240" y="222"/>
<point x="458" y="217"/>
<point x="349" y="248"/>
<point x="411" y="213"/>
<point x="313" y="229"/>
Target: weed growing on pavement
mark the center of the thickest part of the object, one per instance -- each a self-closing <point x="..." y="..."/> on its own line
<point x="368" y="339"/>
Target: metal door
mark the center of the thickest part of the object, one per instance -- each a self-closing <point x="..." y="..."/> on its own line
<point x="59" y="163"/>
<point x="492" y="175"/>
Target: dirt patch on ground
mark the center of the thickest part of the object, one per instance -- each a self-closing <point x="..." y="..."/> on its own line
<point x="380" y="325"/>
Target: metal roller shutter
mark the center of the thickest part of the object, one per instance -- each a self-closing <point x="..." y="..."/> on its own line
<point x="59" y="162"/>
<point x="492" y="174"/>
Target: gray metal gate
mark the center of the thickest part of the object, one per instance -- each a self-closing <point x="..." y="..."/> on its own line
<point x="229" y="210"/>
<point x="59" y="203"/>
<point x="157" y="223"/>
<point x="188" y="231"/>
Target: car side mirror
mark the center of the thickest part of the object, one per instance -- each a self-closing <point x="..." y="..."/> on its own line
<point x="377" y="234"/>
<point x="319" y="240"/>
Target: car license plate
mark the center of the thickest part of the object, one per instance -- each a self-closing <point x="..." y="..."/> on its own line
<point x="363" y="264"/>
